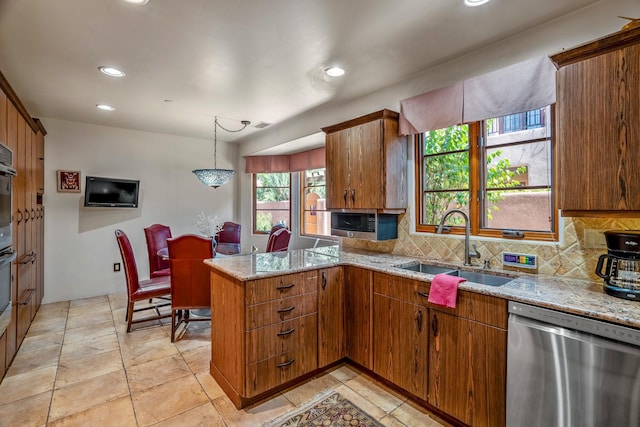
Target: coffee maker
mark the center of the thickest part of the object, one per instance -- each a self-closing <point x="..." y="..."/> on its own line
<point x="622" y="270"/>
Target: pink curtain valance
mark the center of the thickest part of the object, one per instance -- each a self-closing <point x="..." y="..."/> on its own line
<point x="437" y="109"/>
<point x="312" y="159"/>
<point x="520" y="87"/>
<point x="266" y="164"/>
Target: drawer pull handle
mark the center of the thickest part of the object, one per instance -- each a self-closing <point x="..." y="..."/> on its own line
<point x="285" y="364"/>
<point x="26" y="296"/>
<point x="422" y="294"/>
<point x="324" y="280"/>
<point x="286" y="310"/>
<point x="285" y="287"/>
<point x="434" y="326"/>
<point x="285" y="333"/>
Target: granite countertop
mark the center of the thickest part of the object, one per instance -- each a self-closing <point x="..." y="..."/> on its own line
<point x="581" y="297"/>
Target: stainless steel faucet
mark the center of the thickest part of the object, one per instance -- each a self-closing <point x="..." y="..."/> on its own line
<point x="467" y="253"/>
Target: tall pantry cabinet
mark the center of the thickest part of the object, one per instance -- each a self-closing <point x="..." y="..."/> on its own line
<point x="24" y="136"/>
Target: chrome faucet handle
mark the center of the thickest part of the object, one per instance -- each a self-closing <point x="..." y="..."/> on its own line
<point x="487" y="264"/>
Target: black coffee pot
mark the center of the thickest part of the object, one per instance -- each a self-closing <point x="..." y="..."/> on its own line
<point x="622" y="269"/>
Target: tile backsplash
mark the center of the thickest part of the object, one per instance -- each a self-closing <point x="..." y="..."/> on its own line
<point x="571" y="257"/>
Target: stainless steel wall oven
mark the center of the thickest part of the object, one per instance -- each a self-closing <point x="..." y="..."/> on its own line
<point x="7" y="254"/>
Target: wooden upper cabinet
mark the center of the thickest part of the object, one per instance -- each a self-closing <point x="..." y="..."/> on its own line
<point x="3" y="118"/>
<point x="366" y="163"/>
<point x="598" y="125"/>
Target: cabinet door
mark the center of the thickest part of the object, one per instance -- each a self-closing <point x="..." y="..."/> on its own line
<point x="467" y="370"/>
<point x="3" y="118"/>
<point x="400" y="345"/>
<point x="598" y="135"/>
<point x="358" y="312"/>
<point x="331" y="324"/>
<point x="366" y="171"/>
<point x="40" y="163"/>
<point x="337" y="169"/>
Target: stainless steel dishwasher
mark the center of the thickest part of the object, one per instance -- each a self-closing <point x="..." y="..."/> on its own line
<point x="570" y="371"/>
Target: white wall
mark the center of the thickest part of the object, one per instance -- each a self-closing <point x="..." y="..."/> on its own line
<point x="80" y="246"/>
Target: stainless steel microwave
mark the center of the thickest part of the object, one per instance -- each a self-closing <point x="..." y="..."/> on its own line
<point x="364" y="225"/>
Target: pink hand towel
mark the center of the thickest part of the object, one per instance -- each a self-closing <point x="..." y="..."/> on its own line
<point x="444" y="290"/>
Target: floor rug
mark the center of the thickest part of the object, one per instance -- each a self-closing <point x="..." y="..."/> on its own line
<point x="330" y="410"/>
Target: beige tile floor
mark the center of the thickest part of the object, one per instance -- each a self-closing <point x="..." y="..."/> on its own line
<point x="77" y="366"/>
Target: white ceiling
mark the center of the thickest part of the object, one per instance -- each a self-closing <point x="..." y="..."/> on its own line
<point x="259" y="60"/>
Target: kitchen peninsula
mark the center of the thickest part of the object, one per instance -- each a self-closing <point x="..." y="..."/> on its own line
<point x="280" y="318"/>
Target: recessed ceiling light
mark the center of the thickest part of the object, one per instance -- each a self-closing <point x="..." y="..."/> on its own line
<point x="334" y="71"/>
<point x="473" y="3"/>
<point x="105" y="107"/>
<point x="111" y="71"/>
<point x="140" y="2"/>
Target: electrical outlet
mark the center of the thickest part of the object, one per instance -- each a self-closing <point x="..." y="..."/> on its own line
<point x="116" y="266"/>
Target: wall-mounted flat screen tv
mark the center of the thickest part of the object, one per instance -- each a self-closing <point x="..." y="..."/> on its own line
<point x="111" y="192"/>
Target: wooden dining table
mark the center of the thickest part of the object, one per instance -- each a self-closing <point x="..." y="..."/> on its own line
<point x="222" y="250"/>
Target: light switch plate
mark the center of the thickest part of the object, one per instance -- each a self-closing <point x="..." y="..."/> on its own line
<point x="594" y="239"/>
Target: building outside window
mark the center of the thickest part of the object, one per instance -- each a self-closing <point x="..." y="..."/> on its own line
<point x="499" y="171"/>
<point x="315" y="219"/>
<point x="271" y="201"/>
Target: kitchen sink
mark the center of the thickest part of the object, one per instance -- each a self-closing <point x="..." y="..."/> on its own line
<point x="429" y="269"/>
<point x="482" y="278"/>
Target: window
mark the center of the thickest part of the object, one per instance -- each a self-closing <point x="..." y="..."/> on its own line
<point x="315" y="219"/>
<point x="271" y="201"/>
<point x="503" y="180"/>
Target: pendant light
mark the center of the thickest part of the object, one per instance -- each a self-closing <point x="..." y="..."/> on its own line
<point x="216" y="177"/>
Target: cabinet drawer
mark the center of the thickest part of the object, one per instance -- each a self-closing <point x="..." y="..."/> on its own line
<point x="275" y="371"/>
<point x="480" y="308"/>
<point x="272" y="288"/>
<point x="401" y="288"/>
<point x="280" y="338"/>
<point x="260" y="315"/>
<point x="470" y="305"/>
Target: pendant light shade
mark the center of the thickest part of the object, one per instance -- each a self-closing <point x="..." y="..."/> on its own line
<point x="216" y="177"/>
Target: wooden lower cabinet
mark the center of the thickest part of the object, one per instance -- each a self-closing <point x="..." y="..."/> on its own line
<point x="280" y="353"/>
<point x="267" y="333"/>
<point x="358" y="311"/>
<point x="455" y="359"/>
<point x="400" y="346"/>
<point x="331" y="319"/>
<point x="467" y="369"/>
<point x="264" y="332"/>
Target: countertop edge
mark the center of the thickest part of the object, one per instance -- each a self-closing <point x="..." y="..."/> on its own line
<point x="575" y="296"/>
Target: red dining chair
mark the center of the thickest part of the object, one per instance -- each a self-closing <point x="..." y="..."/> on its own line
<point x="142" y="290"/>
<point x="190" y="284"/>
<point x="230" y="233"/>
<point x="278" y="240"/>
<point x="157" y="235"/>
